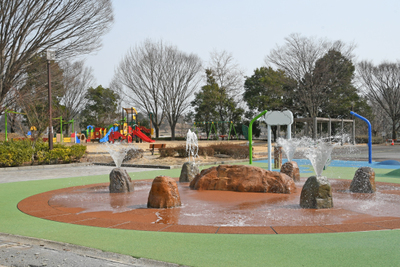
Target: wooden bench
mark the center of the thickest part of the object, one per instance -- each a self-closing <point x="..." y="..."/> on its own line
<point x="153" y="146"/>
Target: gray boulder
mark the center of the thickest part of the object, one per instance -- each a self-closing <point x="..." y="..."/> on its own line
<point x="188" y="172"/>
<point x="316" y="193"/>
<point x="363" y="181"/>
<point x="120" y="182"/>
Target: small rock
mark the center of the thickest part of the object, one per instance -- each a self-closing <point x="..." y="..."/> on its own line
<point x="363" y="181"/>
<point x="120" y="181"/>
<point x="164" y="193"/>
<point x="291" y="169"/>
<point x="188" y="172"/>
<point x="316" y="193"/>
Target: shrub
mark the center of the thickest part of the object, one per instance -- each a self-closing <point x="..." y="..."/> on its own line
<point x="235" y="151"/>
<point x="364" y="139"/>
<point x="181" y="150"/>
<point x="167" y="152"/>
<point x="17" y="153"/>
<point x="206" y="151"/>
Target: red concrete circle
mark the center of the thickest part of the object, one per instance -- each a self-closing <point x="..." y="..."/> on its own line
<point x="219" y="212"/>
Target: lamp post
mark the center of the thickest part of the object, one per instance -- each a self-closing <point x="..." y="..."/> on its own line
<point x="50" y="55"/>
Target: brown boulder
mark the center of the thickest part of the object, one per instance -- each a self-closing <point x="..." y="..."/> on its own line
<point x="363" y="181"/>
<point x="120" y="181"/>
<point x="164" y="193"/>
<point x="292" y="170"/>
<point x="243" y="178"/>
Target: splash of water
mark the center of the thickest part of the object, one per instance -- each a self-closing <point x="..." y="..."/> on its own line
<point x="118" y="152"/>
<point x="192" y="145"/>
<point x="289" y="146"/>
<point x="319" y="154"/>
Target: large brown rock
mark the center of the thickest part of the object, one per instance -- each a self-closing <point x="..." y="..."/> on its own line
<point x="316" y="193"/>
<point x="188" y="172"/>
<point x="363" y="181"/>
<point x="292" y="170"/>
<point x="164" y="193"/>
<point x="120" y="182"/>
<point x="243" y="179"/>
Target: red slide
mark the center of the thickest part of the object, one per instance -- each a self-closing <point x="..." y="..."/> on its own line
<point x="142" y="136"/>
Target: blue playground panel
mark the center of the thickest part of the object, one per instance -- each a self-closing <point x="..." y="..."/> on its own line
<point x="344" y="163"/>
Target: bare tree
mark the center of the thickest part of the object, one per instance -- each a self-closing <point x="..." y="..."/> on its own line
<point x="76" y="80"/>
<point x="28" y="27"/>
<point x="227" y="73"/>
<point x="160" y="80"/>
<point x="141" y="71"/>
<point x="179" y="82"/>
<point x="382" y="85"/>
<point x="299" y="57"/>
<point x="316" y="65"/>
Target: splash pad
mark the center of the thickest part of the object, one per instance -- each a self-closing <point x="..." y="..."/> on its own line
<point x="219" y="211"/>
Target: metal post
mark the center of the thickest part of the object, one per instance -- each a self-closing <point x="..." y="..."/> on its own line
<point x="50" y="110"/>
<point x="250" y="133"/>
<point x="61" y="123"/>
<point x="5" y="114"/>
<point x="269" y="149"/>
<point x="315" y="128"/>
<point x="354" y="132"/>
<point x="330" y="130"/>
<point x="342" y="126"/>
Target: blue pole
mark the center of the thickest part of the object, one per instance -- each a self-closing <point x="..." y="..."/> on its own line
<point x="369" y="135"/>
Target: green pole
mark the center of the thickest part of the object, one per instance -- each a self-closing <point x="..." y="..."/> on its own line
<point x="61" y="129"/>
<point x="251" y="136"/>
<point x="6" y="125"/>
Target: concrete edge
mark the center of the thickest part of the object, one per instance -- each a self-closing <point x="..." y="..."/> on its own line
<point x="175" y="166"/>
<point x="47" y="166"/>
<point x="123" y="165"/>
<point x="85" y="251"/>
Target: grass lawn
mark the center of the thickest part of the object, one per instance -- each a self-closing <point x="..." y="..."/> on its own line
<point x="375" y="248"/>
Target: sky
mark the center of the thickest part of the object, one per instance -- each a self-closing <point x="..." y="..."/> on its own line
<point x="247" y="29"/>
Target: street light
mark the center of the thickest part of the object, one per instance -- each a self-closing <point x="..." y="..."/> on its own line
<point x="50" y="55"/>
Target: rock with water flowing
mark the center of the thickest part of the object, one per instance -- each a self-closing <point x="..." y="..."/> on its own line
<point x="243" y="179"/>
<point x="363" y="181"/>
<point x="120" y="182"/>
<point x="316" y="193"/>
<point x="291" y="169"/>
<point x="188" y="172"/>
<point x="164" y="193"/>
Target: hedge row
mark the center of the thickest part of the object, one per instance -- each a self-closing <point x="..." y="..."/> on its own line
<point x="235" y="151"/>
<point x="17" y="153"/>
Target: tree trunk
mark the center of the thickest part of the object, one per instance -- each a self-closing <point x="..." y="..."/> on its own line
<point x="157" y="129"/>
<point x="394" y="131"/>
<point x="173" y="126"/>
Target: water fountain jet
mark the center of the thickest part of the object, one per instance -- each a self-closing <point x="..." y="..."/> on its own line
<point x="190" y="168"/>
<point x="120" y="181"/>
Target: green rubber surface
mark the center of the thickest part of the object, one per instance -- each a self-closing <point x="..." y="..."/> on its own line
<point x="375" y="248"/>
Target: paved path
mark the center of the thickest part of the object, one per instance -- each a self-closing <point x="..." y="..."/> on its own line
<point x="25" y="251"/>
<point x="56" y="171"/>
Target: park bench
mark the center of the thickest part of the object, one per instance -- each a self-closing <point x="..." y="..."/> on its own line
<point x="154" y="146"/>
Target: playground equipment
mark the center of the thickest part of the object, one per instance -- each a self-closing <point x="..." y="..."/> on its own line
<point x="369" y="135"/>
<point x="272" y="118"/>
<point x="5" y="117"/>
<point x="320" y="121"/>
<point x="213" y="127"/>
<point x="126" y="129"/>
